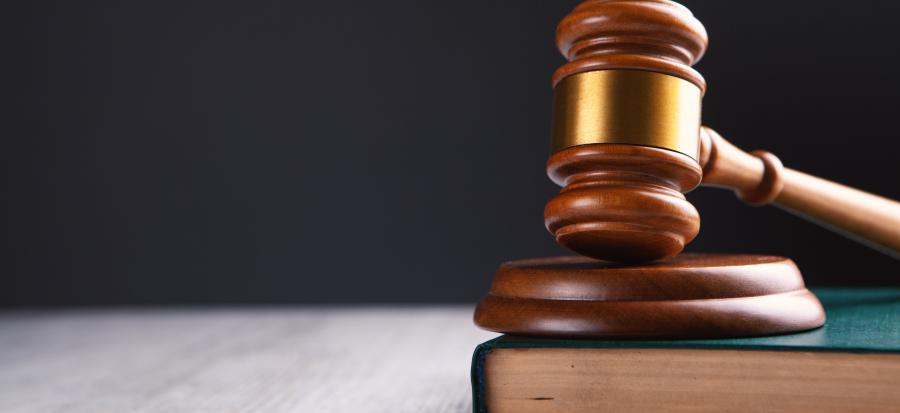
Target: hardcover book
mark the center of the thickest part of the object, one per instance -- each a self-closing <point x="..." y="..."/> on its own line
<point x="852" y="364"/>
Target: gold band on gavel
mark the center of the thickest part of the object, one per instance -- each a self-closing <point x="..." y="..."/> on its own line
<point x="627" y="106"/>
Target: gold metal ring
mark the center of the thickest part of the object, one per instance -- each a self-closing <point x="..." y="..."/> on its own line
<point x="627" y="106"/>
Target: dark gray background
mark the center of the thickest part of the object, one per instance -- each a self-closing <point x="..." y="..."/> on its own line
<point x="391" y="151"/>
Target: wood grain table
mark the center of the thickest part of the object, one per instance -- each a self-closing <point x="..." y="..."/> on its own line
<point x="250" y="359"/>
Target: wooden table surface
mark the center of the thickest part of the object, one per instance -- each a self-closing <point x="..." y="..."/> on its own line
<point x="285" y="359"/>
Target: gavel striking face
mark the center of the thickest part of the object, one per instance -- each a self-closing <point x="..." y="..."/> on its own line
<point x="627" y="143"/>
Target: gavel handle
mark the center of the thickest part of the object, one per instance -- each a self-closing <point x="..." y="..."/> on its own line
<point x="759" y="178"/>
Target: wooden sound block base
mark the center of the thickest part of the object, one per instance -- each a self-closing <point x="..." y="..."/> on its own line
<point x="689" y="296"/>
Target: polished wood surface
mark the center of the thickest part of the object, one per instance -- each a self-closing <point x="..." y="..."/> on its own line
<point x="654" y="35"/>
<point x="688" y="296"/>
<point x="759" y="178"/>
<point x="622" y="202"/>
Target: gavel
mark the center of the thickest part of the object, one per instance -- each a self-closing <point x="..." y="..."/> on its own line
<point x="627" y="143"/>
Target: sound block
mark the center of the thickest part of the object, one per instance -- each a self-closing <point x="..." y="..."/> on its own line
<point x="690" y="296"/>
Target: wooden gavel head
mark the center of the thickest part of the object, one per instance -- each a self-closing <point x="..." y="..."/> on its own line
<point x="626" y="130"/>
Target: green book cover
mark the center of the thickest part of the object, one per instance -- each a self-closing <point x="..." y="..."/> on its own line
<point x="858" y="320"/>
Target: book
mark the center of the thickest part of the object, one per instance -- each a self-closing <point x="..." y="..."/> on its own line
<point x="852" y="364"/>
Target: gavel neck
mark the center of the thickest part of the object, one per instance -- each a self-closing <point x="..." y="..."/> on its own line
<point x="757" y="178"/>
